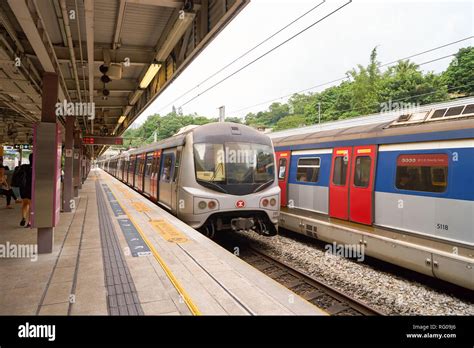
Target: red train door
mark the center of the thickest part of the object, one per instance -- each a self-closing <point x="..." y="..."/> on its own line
<point x="339" y="183"/>
<point x="283" y="163"/>
<point x="362" y="184"/>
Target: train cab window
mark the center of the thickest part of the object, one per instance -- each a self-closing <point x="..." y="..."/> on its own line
<point x="422" y="172"/>
<point x="340" y="171"/>
<point x="167" y="167"/>
<point x="209" y="161"/>
<point x="362" y="171"/>
<point x="308" y="169"/>
<point x="282" y="169"/>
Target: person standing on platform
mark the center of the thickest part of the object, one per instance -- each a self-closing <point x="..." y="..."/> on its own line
<point x="23" y="178"/>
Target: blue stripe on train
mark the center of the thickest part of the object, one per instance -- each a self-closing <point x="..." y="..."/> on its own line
<point x="324" y="170"/>
<point x="405" y="138"/>
<point x="460" y="173"/>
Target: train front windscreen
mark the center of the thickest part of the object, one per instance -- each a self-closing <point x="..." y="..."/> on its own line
<point x="234" y="168"/>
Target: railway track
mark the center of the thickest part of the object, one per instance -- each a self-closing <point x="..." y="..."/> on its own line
<point x="313" y="290"/>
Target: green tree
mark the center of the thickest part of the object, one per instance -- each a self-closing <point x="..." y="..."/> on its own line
<point x="365" y="86"/>
<point x="459" y="76"/>
<point x="405" y="83"/>
<point x="291" y="121"/>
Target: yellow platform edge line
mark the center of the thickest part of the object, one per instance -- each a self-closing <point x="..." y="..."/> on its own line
<point x="189" y="303"/>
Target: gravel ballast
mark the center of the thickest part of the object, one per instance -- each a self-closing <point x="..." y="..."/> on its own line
<point x="389" y="293"/>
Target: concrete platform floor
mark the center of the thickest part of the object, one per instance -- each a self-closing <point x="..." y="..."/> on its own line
<point x="92" y="271"/>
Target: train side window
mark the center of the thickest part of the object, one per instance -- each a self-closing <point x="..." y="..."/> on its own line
<point x="422" y="172"/>
<point x="362" y="171"/>
<point x="308" y="169"/>
<point x="282" y="169"/>
<point x="148" y="164"/>
<point x="167" y="167"/>
<point x="156" y="166"/>
<point x="340" y="171"/>
<point x="176" y="165"/>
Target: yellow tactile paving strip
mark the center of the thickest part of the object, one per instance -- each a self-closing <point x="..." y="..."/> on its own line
<point x="186" y="298"/>
<point x="168" y="231"/>
<point x="140" y="207"/>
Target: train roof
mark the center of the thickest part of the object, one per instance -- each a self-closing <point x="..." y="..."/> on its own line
<point x="216" y="132"/>
<point x="450" y="116"/>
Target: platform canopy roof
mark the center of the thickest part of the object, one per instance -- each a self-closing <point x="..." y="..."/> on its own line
<point x="118" y="54"/>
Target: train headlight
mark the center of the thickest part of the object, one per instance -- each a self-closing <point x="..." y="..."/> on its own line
<point x="204" y="205"/>
<point x="270" y="202"/>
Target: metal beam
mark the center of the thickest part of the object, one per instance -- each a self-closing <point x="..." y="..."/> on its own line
<point x="35" y="39"/>
<point x="118" y="25"/>
<point x="122" y="84"/>
<point x="70" y="45"/>
<point x="163" y="3"/>
<point x="89" y="14"/>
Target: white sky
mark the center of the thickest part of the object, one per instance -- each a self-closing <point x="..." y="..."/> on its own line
<point x="321" y="54"/>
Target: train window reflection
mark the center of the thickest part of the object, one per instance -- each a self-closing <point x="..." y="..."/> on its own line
<point x="282" y="168"/>
<point x="234" y="163"/>
<point x="209" y="162"/>
<point x="422" y="172"/>
<point x="340" y="171"/>
<point x="167" y="167"/>
<point x="362" y="171"/>
<point x="308" y="169"/>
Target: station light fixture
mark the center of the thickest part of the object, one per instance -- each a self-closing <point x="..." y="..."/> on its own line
<point x="150" y="74"/>
<point x="121" y="119"/>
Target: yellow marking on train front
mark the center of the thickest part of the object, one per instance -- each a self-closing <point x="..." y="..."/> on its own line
<point x="140" y="207"/>
<point x="184" y="295"/>
<point x="168" y="231"/>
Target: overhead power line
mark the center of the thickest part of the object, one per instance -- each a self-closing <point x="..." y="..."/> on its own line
<point x="345" y="77"/>
<point x="266" y="53"/>
<point x="246" y="53"/>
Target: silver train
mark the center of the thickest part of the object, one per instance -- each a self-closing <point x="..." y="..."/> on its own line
<point x="218" y="176"/>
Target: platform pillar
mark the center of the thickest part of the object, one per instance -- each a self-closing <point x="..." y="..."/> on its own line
<point x="68" y="187"/>
<point x="45" y="186"/>
<point x="77" y="162"/>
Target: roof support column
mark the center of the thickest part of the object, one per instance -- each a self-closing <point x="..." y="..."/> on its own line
<point x="68" y="164"/>
<point x="77" y="162"/>
<point x="46" y="167"/>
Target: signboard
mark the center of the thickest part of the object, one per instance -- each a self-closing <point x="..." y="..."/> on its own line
<point x="96" y="140"/>
<point x="423" y="160"/>
<point x="68" y="153"/>
<point x="22" y="146"/>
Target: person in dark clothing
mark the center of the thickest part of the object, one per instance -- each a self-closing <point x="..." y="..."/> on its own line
<point x="25" y="191"/>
